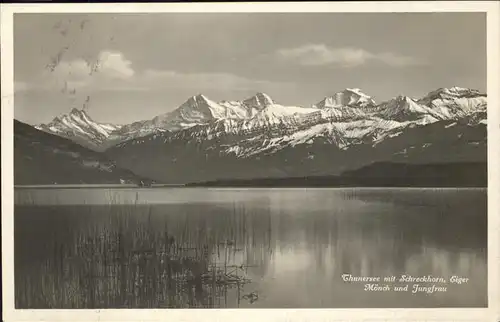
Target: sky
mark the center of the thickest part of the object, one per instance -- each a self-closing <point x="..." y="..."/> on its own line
<point x="129" y="67"/>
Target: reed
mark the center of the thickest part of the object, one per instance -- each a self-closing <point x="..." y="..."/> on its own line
<point x="124" y="260"/>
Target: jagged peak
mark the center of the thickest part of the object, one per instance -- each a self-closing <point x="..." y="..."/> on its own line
<point x="197" y="100"/>
<point x="404" y="98"/>
<point x="354" y="90"/>
<point x="74" y="112"/>
<point x="201" y="97"/>
<point x="198" y="97"/>
<point x="78" y="112"/>
<point x="346" y="97"/>
<point x="263" y="96"/>
<point x="259" y="100"/>
<point x="260" y="97"/>
<point x="454" y="91"/>
<point x="458" y="88"/>
<point x="399" y="100"/>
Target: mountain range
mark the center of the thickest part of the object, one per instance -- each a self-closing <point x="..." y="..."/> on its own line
<point x="257" y="137"/>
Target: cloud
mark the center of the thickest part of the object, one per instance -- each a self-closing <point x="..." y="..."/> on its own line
<point x="113" y="72"/>
<point x="114" y="65"/>
<point x="108" y="65"/>
<point x="320" y="54"/>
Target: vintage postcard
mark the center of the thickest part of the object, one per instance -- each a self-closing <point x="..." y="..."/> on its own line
<point x="242" y="161"/>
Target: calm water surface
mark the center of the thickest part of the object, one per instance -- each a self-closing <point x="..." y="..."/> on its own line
<point x="256" y="248"/>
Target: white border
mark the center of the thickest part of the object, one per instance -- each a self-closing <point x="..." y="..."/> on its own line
<point x="490" y="314"/>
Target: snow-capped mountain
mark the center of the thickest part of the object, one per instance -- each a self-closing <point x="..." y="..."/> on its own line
<point x="403" y="108"/>
<point x="455" y="102"/>
<point x="261" y="111"/>
<point x="352" y="97"/>
<point x="78" y="126"/>
<point x="197" y="110"/>
<point x="257" y="102"/>
<point x="286" y="140"/>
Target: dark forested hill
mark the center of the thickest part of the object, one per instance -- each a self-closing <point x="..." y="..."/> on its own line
<point x="43" y="158"/>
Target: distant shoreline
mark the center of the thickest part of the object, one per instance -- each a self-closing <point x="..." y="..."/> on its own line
<point x="201" y="186"/>
<point x="375" y="175"/>
<point x="96" y="185"/>
<point x="241" y="186"/>
<point x="379" y="174"/>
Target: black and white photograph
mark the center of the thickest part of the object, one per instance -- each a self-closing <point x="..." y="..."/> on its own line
<point x="250" y="160"/>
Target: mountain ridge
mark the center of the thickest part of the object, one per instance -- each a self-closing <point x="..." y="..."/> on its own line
<point x="261" y="110"/>
<point x="191" y="156"/>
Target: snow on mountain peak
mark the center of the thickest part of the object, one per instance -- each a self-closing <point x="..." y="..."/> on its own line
<point x="258" y="101"/>
<point x="74" y="110"/>
<point x="455" y="101"/>
<point x="403" y="108"/>
<point x="458" y="89"/>
<point x="77" y="123"/>
<point x="197" y="101"/>
<point x="197" y="110"/>
<point x="355" y="90"/>
<point x="404" y="99"/>
<point x="348" y="97"/>
<point x="75" y="115"/>
<point x="450" y="93"/>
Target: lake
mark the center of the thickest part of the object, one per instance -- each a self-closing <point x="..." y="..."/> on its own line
<point x="248" y="248"/>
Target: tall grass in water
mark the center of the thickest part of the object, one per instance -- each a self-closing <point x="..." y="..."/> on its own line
<point x="124" y="260"/>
